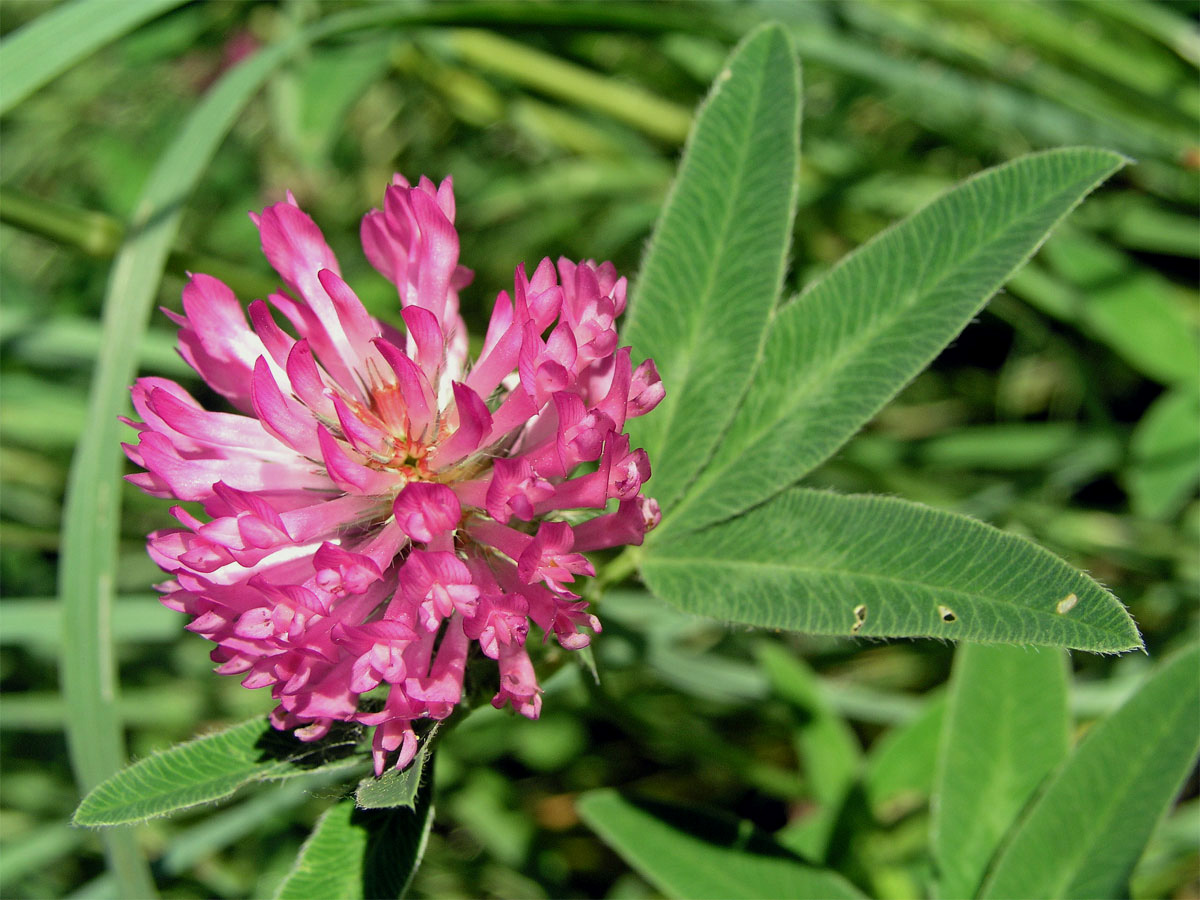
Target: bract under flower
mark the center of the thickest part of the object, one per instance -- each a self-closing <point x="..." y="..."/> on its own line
<point x="382" y="504"/>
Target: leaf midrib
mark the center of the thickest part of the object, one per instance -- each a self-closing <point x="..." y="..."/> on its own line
<point x="691" y="562"/>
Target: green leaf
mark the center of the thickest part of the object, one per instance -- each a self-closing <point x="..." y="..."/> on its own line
<point x="717" y="257"/>
<point x="1088" y="827"/>
<point x="397" y="787"/>
<point x="843" y="348"/>
<point x="899" y="772"/>
<point x="1007" y="727"/>
<point x="1134" y="310"/>
<point x="685" y="853"/>
<point x="828" y="748"/>
<point x="1166" y="454"/>
<point x="361" y="853"/>
<point x="208" y="769"/>
<point x="57" y="40"/>
<point x="823" y="563"/>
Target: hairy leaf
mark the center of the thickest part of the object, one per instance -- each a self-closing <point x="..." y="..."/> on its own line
<point x="843" y="348"/>
<point x="397" y="788"/>
<point x="716" y="260"/>
<point x="207" y="769"/>
<point x="823" y="563"/>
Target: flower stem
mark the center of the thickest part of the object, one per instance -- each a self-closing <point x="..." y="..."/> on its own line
<point x="659" y="118"/>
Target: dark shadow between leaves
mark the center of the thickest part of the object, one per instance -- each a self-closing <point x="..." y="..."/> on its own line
<point x="714" y="828"/>
<point x="283" y="746"/>
<point x="392" y="851"/>
<point x="845" y="851"/>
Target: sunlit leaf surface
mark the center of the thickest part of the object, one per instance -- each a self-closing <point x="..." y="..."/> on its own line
<point x="823" y="563"/>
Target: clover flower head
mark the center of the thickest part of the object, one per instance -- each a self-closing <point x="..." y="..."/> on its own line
<point x="382" y="506"/>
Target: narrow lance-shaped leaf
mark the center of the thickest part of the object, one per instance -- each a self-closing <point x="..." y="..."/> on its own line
<point x="716" y="260"/>
<point x="822" y="563"/>
<point x="56" y="40"/>
<point x="1007" y="727"/>
<point x="838" y="352"/>
<point x="210" y="768"/>
<point x="361" y="853"/>
<point x="685" y="853"/>
<point x="1089" y="826"/>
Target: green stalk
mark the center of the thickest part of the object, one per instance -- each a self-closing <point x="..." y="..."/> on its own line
<point x="101" y="235"/>
<point x="669" y="122"/>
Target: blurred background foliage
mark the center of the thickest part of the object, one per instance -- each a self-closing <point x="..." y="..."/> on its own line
<point x="1069" y="412"/>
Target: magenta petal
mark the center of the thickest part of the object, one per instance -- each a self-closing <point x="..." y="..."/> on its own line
<point x="357" y="324"/>
<point x="518" y="684"/>
<point x="428" y="340"/>
<point x="363" y="437"/>
<point x="439" y="253"/>
<point x="346" y="473"/>
<point x="339" y="571"/>
<point x="628" y="525"/>
<point x="216" y="340"/>
<point x="646" y="391"/>
<point x="222" y="429"/>
<point x="496" y="363"/>
<point x="414" y="387"/>
<point x="424" y="510"/>
<point x="282" y="416"/>
<point x="474" y="423"/>
<point x="306" y="379"/>
<point x="277" y="341"/>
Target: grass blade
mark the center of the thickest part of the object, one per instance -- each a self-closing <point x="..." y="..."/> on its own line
<point x="52" y="43"/>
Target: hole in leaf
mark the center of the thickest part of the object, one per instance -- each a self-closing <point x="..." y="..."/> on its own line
<point x="860" y="616"/>
<point x="947" y="614"/>
<point x="1066" y="604"/>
